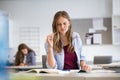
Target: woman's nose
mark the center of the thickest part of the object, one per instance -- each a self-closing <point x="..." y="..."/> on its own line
<point x="62" y="26"/>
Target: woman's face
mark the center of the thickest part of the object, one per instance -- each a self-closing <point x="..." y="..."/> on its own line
<point x="24" y="51"/>
<point x="62" y="25"/>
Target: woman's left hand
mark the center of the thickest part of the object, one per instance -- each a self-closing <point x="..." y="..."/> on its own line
<point x="86" y="68"/>
<point x="22" y="64"/>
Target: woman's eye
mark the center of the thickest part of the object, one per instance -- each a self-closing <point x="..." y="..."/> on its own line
<point x="64" y="23"/>
<point x="59" y="24"/>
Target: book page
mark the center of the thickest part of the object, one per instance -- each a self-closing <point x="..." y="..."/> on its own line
<point x="33" y="71"/>
<point x="55" y="71"/>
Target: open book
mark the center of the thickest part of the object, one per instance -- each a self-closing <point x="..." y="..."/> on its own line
<point x="53" y="71"/>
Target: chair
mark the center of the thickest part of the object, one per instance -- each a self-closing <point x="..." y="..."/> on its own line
<point x="102" y="59"/>
<point x="44" y="57"/>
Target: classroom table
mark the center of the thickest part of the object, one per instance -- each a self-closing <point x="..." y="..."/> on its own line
<point x="99" y="72"/>
<point x="66" y="76"/>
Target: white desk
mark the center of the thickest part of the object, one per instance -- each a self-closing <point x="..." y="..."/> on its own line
<point x="73" y="76"/>
<point x="102" y="76"/>
<point x="82" y="76"/>
<point x="68" y="76"/>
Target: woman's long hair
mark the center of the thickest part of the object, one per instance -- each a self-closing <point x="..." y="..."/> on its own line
<point x="19" y="57"/>
<point x="57" y="45"/>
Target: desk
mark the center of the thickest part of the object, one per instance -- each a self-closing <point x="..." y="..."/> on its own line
<point x="102" y="76"/>
<point x="70" y="76"/>
<point x="82" y="76"/>
<point x="65" y="76"/>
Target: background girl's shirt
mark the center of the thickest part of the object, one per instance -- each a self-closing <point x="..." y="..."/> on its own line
<point x="30" y="58"/>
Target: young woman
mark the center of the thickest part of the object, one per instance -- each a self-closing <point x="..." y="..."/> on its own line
<point x="64" y="47"/>
<point x="24" y="56"/>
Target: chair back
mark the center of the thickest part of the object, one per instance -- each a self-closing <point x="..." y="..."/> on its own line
<point x="44" y="57"/>
<point x="102" y="59"/>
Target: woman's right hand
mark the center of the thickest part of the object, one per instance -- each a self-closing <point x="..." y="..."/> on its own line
<point x="21" y="64"/>
<point x="50" y="58"/>
<point x="50" y="40"/>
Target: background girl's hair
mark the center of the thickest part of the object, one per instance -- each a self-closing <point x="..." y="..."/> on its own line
<point x="19" y="57"/>
<point x="24" y="46"/>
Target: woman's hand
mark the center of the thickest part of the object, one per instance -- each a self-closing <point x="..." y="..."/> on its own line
<point x="86" y="68"/>
<point x="50" y="40"/>
<point x="22" y="64"/>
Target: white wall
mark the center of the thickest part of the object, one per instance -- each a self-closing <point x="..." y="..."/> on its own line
<point x="40" y="13"/>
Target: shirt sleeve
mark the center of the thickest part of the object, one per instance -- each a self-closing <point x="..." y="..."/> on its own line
<point x="78" y="44"/>
<point x="33" y="59"/>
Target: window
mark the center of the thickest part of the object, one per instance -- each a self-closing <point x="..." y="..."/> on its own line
<point x="31" y="36"/>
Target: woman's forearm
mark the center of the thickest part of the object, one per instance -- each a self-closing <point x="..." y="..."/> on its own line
<point x="51" y="60"/>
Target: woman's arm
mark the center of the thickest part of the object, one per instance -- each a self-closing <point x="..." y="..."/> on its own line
<point x="78" y="45"/>
<point x="50" y="57"/>
<point x="33" y="62"/>
<point x="84" y="66"/>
